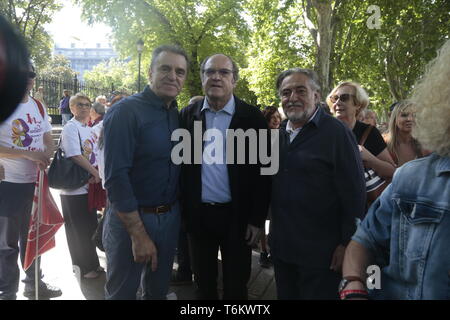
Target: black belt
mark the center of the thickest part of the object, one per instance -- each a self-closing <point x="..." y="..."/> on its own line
<point x="217" y="204"/>
<point x="156" y="210"/>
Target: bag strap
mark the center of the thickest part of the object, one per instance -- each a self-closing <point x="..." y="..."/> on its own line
<point x="40" y="107"/>
<point x="365" y="135"/>
<point x="81" y="146"/>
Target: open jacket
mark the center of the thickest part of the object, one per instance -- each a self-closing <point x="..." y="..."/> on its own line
<point x="250" y="190"/>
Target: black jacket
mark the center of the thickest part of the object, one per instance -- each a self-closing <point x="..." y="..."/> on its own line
<point x="250" y="190"/>
<point x="317" y="194"/>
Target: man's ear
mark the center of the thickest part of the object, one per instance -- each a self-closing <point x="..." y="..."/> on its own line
<point x="316" y="97"/>
<point x="149" y="74"/>
<point x="234" y="83"/>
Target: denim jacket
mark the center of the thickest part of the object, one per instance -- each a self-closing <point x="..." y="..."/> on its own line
<point x="408" y="231"/>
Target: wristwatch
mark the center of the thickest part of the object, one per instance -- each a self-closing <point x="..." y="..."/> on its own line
<point x="346" y="280"/>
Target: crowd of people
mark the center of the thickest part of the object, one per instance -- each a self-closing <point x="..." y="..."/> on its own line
<point x="344" y="196"/>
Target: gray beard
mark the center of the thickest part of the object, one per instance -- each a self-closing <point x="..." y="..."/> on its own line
<point x="296" y="116"/>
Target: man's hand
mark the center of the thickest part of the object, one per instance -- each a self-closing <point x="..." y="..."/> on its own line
<point x="252" y="235"/>
<point x="144" y="250"/>
<point x="338" y="258"/>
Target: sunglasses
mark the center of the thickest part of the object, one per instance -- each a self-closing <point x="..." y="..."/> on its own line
<point x="343" y="97"/>
<point x="31" y="74"/>
<point x="86" y="105"/>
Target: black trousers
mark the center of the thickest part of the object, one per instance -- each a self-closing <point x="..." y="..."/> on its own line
<point x="183" y="255"/>
<point x="220" y="230"/>
<point x="80" y="224"/>
<point x="296" y="282"/>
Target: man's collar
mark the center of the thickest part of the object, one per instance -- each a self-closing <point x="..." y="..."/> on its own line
<point x="229" y="107"/>
<point x="289" y="127"/>
<point x="148" y="92"/>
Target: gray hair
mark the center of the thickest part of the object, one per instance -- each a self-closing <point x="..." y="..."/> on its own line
<point x="98" y="108"/>
<point x="311" y="74"/>
<point x="168" y="48"/>
<point x="235" y="67"/>
<point x="77" y="97"/>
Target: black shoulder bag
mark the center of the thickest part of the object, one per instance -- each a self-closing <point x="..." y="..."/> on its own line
<point x="64" y="173"/>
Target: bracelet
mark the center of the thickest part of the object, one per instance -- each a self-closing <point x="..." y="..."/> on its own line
<point x="345" y="293"/>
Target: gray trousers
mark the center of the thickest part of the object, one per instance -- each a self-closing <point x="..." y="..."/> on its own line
<point x="16" y="200"/>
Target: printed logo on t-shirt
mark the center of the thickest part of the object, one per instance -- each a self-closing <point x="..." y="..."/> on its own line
<point x="20" y="134"/>
<point x="88" y="150"/>
<point x="23" y="131"/>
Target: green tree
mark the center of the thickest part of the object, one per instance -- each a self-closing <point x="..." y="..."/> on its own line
<point x="201" y="27"/>
<point x="115" y="74"/>
<point x="29" y="17"/>
<point x="58" y="69"/>
<point x="277" y="43"/>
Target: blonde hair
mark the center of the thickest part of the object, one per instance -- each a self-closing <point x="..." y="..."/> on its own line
<point x="392" y="134"/>
<point x="361" y="97"/>
<point x="431" y="96"/>
<point x="100" y="98"/>
<point x="77" y="97"/>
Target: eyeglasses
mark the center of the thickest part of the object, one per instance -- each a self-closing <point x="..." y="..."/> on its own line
<point x="86" y="105"/>
<point x="343" y="97"/>
<point x="222" y="72"/>
<point x="31" y="74"/>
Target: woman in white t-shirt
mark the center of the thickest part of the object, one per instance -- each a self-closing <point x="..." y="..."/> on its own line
<point x="78" y="141"/>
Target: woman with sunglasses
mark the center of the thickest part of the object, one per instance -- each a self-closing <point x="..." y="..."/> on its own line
<point x="402" y="146"/>
<point x="346" y="101"/>
<point x="78" y="142"/>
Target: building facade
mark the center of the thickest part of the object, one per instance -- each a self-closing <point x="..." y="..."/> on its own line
<point x="84" y="59"/>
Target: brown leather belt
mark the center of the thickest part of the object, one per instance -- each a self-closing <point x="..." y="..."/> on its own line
<point x="156" y="210"/>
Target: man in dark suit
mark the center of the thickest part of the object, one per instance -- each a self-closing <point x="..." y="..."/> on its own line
<point x="317" y="194"/>
<point x="224" y="203"/>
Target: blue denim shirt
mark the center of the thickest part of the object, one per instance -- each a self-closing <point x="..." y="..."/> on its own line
<point x="138" y="166"/>
<point x="408" y="231"/>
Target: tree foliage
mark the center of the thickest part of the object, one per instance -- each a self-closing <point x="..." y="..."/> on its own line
<point x="266" y="37"/>
<point x="115" y="74"/>
<point x="277" y="43"/>
<point x="29" y="17"/>
<point x="58" y="68"/>
<point x="201" y="27"/>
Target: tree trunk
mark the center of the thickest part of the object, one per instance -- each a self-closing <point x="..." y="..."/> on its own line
<point x="193" y="82"/>
<point x="325" y="33"/>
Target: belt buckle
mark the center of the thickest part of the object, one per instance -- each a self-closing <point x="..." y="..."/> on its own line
<point x="160" y="209"/>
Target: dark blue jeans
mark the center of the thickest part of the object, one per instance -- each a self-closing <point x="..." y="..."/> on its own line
<point x="124" y="276"/>
<point x="16" y="200"/>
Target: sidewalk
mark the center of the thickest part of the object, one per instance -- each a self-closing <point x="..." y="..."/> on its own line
<point x="57" y="269"/>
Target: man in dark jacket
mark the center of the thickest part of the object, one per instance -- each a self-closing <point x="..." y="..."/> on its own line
<point x="224" y="203"/>
<point x="317" y="194"/>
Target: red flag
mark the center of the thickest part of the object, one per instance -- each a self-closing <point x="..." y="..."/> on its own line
<point x="50" y="221"/>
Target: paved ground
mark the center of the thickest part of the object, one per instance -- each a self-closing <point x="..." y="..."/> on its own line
<point x="57" y="268"/>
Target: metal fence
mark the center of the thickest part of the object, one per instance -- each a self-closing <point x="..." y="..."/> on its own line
<point x="53" y="92"/>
